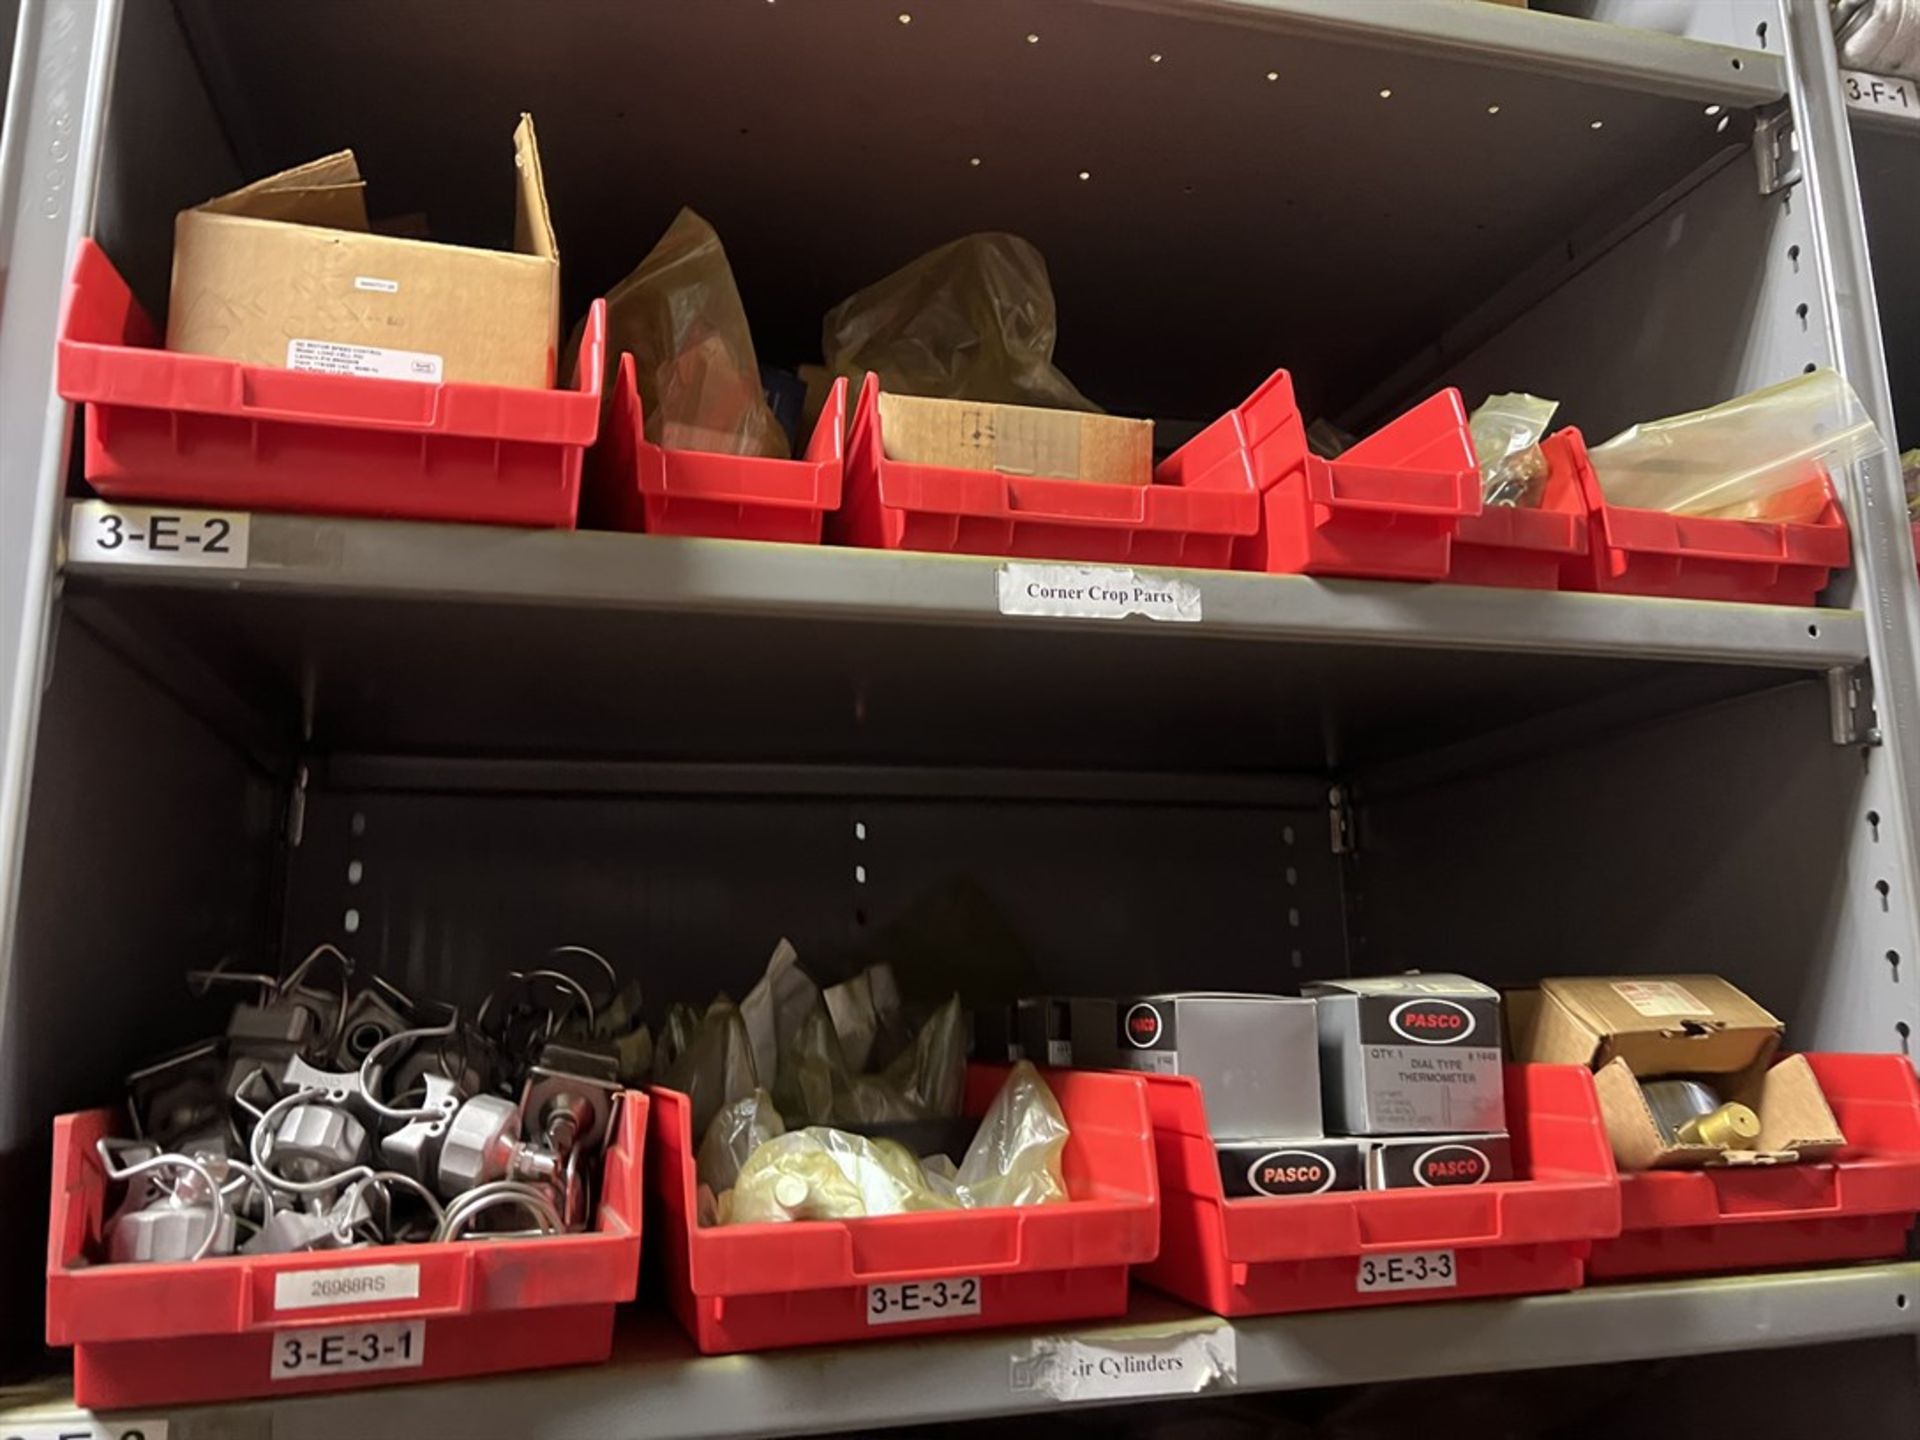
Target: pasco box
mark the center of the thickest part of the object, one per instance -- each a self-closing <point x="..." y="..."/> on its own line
<point x="1630" y="1028"/>
<point x="285" y="272"/>
<point x="1410" y="1055"/>
<point x="1254" y="1056"/>
<point x="1312" y="1166"/>
<point x="1063" y="1030"/>
<point x="1438" y="1162"/>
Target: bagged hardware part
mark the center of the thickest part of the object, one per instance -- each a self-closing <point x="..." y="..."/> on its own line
<point x="1772" y="454"/>
<point x="972" y="320"/>
<point x="679" y="315"/>
<point x="716" y="1066"/>
<point x="736" y="1132"/>
<point x="1410" y="1054"/>
<point x="1507" y="430"/>
<point x="1881" y="36"/>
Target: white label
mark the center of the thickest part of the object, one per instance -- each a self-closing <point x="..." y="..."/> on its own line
<point x="376" y="284"/>
<point x="1655" y="998"/>
<point x="1177" y="1363"/>
<point x="1880" y="92"/>
<point x="84" y="1427"/>
<point x="347" y="1285"/>
<point x="375" y="362"/>
<point x="103" y="534"/>
<point x="1409" y="1270"/>
<point x="348" y="1349"/>
<point x="922" y="1300"/>
<point x="1095" y="594"/>
<point x="1059" y="1052"/>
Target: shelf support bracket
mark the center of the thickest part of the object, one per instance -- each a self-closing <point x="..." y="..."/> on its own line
<point x="1850" y="706"/>
<point x="1340" y="822"/>
<point x="1776" y="151"/>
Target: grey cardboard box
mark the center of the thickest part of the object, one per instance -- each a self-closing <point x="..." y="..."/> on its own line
<point x="1410" y="1055"/>
<point x="1255" y="1057"/>
<point x="1438" y="1161"/>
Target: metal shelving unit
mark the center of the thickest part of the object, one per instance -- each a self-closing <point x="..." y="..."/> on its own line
<point x="689" y="1397"/>
<point x="476" y="716"/>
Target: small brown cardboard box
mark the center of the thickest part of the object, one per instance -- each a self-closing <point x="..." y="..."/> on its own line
<point x="1632" y="1028"/>
<point x="285" y="272"/>
<point x="1017" y="440"/>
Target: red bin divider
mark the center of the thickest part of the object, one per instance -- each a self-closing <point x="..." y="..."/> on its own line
<point x="633" y="484"/>
<point x="1858" y="1206"/>
<point x="1697" y="557"/>
<point x="1528" y="546"/>
<point x="199" y="430"/>
<point x="762" y="1287"/>
<point x="1310" y="1252"/>
<point x="1386" y="509"/>
<point x="182" y="1334"/>
<point x="1182" y="518"/>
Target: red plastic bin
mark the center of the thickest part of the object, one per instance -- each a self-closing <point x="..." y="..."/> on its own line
<point x="1528" y="547"/>
<point x="214" y="1329"/>
<point x="200" y="430"/>
<point x="635" y="485"/>
<point x="763" y="1287"/>
<point x="1273" y="1256"/>
<point x="1695" y="557"/>
<point x="1189" y="518"/>
<point x="1386" y="509"/>
<point x="1858" y="1206"/>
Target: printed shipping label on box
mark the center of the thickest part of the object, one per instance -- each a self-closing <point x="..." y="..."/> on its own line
<point x="330" y="357"/>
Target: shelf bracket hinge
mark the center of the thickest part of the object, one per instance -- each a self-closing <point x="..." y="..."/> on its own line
<point x="1340" y="822"/>
<point x="1850" y="706"/>
<point x="297" y="809"/>
<point x="1776" y="149"/>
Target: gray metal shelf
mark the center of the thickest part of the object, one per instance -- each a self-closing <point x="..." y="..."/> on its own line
<point x="656" y="1386"/>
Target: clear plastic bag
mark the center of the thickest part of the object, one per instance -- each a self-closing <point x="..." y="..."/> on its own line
<point x="1767" y="455"/>
<point x="1015" y="1157"/>
<point x="736" y="1132"/>
<point x="776" y="1006"/>
<point x="1506" y="433"/>
<point x="676" y="1036"/>
<point x="812" y="1072"/>
<point x="972" y="320"/>
<point x="821" y="1174"/>
<point x="679" y="314"/>
<point x="716" y="1068"/>
<point x="932" y="1076"/>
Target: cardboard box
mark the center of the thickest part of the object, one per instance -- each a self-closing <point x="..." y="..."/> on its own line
<point x="1062" y="1030"/>
<point x="285" y="272"/>
<point x="1435" y="1162"/>
<point x="1312" y="1166"/>
<point x="1017" y="440"/>
<point x="1632" y="1028"/>
<point x="1411" y="1055"/>
<point x="1254" y="1056"/>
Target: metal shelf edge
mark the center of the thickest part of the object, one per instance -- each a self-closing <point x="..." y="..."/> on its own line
<point x="655" y="1386"/>
<point x="588" y="569"/>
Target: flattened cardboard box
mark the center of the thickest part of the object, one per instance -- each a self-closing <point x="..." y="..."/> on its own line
<point x="1629" y="1028"/>
<point x="286" y="273"/>
<point x="1017" y="440"/>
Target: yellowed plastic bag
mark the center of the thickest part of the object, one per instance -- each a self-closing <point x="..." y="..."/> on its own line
<point x="1910" y="477"/>
<point x="736" y="1132"/>
<point x="1015" y="1156"/>
<point x="679" y="314"/>
<point x="821" y="1174"/>
<point x="716" y="1068"/>
<point x="972" y="320"/>
<point x="1761" y="456"/>
<point x="1506" y="431"/>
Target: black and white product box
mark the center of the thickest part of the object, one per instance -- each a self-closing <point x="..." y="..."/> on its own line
<point x="1313" y="1166"/>
<point x="1254" y="1056"/>
<point x="996" y="1034"/>
<point x="1410" y="1055"/>
<point x="1047" y="1027"/>
<point x="1434" y="1162"/>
